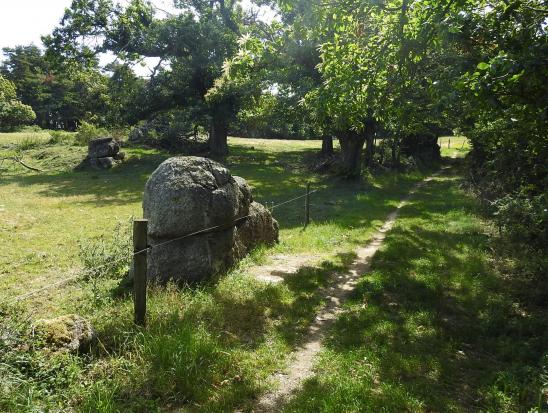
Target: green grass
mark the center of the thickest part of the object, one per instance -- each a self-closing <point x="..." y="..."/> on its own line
<point x="44" y="215"/>
<point x="208" y="348"/>
<point x="18" y="137"/>
<point x="454" y="146"/>
<point x="440" y="323"/>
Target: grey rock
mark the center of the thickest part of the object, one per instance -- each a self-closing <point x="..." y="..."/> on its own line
<point x="104" y="153"/>
<point x="137" y="134"/>
<point x="258" y="228"/>
<point x="103" y="147"/>
<point x="102" y="163"/>
<point x="120" y="156"/>
<point x="189" y="194"/>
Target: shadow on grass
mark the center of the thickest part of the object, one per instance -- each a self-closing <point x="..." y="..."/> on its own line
<point x="276" y="176"/>
<point x="121" y="185"/>
<point x="432" y="327"/>
<point x="210" y="346"/>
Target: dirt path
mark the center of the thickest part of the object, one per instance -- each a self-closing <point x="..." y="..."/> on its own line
<point x="302" y="361"/>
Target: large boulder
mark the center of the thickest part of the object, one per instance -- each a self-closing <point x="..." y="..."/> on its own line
<point x="258" y="228"/>
<point x="186" y="195"/>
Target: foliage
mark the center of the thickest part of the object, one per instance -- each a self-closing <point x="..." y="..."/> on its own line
<point x="207" y="33"/>
<point x="61" y="94"/>
<point x="30" y="376"/>
<point x="86" y="132"/>
<point x="107" y="257"/>
<point x="523" y="218"/>
<point x="274" y="116"/>
<point x="13" y="113"/>
<point x="505" y="49"/>
<point x="29" y="142"/>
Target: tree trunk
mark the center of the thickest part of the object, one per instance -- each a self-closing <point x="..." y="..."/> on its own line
<point x="370" y="142"/>
<point x="351" y="148"/>
<point x="218" y="136"/>
<point x="327" y="145"/>
<point x="394" y="148"/>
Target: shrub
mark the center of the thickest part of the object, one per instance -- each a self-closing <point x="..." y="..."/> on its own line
<point x="120" y="133"/>
<point x="30" y="129"/>
<point x="107" y="257"/>
<point x="86" y="132"/>
<point x="13" y="113"/>
<point x="524" y="219"/>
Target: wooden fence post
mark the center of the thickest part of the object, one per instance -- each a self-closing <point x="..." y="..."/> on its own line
<point x="307" y="206"/>
<point x="140" y="244"/>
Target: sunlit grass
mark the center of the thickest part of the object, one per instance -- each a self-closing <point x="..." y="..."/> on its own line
<point x="18" y="137"/>
<point x="433" y="325"/>
<point x="454" y="146"/>
<point x="207" y="348"/>
<point x="43" y="215"/>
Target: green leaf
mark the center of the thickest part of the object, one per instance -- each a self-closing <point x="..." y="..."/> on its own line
<point x="483" y="66"/>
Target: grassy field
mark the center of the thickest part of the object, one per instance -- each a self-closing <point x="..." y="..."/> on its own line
<point x="44" y="215"/>
<point x="418" y="335"/>
<point x="209" y="348"/>
<point x="454" y="146"/>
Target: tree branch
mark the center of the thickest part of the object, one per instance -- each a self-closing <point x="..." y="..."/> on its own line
<point x="19" y="161"/>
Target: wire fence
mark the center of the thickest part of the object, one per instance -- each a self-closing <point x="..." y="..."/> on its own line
<point x="82" y="273"/>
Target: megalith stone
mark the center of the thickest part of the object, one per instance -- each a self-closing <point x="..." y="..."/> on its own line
<point x="104" y="153"/>
<point x="186" y="195"/>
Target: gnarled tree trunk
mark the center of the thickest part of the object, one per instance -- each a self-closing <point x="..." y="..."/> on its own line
<point x="327" y="145"/>
<point x="369" y="142"/>
<point x="351" y="148"/>
<point x="218" y="136"/>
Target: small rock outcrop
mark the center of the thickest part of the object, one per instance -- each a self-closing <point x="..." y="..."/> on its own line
<point x="189" y="194"/>
<point x="104" y="153"/>
<point x="70" y="332"/>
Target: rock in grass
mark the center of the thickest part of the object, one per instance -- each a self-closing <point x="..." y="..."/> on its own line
<point x="104" y="153"/>
<point x="259" y="228"/>
<point x="68" y="332"/>
<point x="103" y="147"/>
<point x="187" y="195"/>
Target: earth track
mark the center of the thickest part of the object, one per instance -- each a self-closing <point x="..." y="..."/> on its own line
<point x="302" y="360"/>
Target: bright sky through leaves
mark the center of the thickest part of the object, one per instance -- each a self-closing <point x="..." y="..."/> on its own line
<point x="23" y="22"/>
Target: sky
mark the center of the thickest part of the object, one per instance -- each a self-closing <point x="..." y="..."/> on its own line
<point x="23" y="22"/>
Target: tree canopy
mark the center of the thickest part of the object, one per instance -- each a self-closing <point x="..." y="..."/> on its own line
<point x="13" y="113"/>
<point x="402" y="71"/>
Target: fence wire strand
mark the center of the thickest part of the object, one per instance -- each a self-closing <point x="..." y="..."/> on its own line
<point x="81" y="273"/>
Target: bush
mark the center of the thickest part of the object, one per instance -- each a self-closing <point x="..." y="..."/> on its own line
<point x="120" y="133"/>
<point x="524" y="219"/>
<point x="13" y="113"/>
<point x="30" y="129"/>
<point x="104" y="257"/>
<point x="86" y="132"/>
